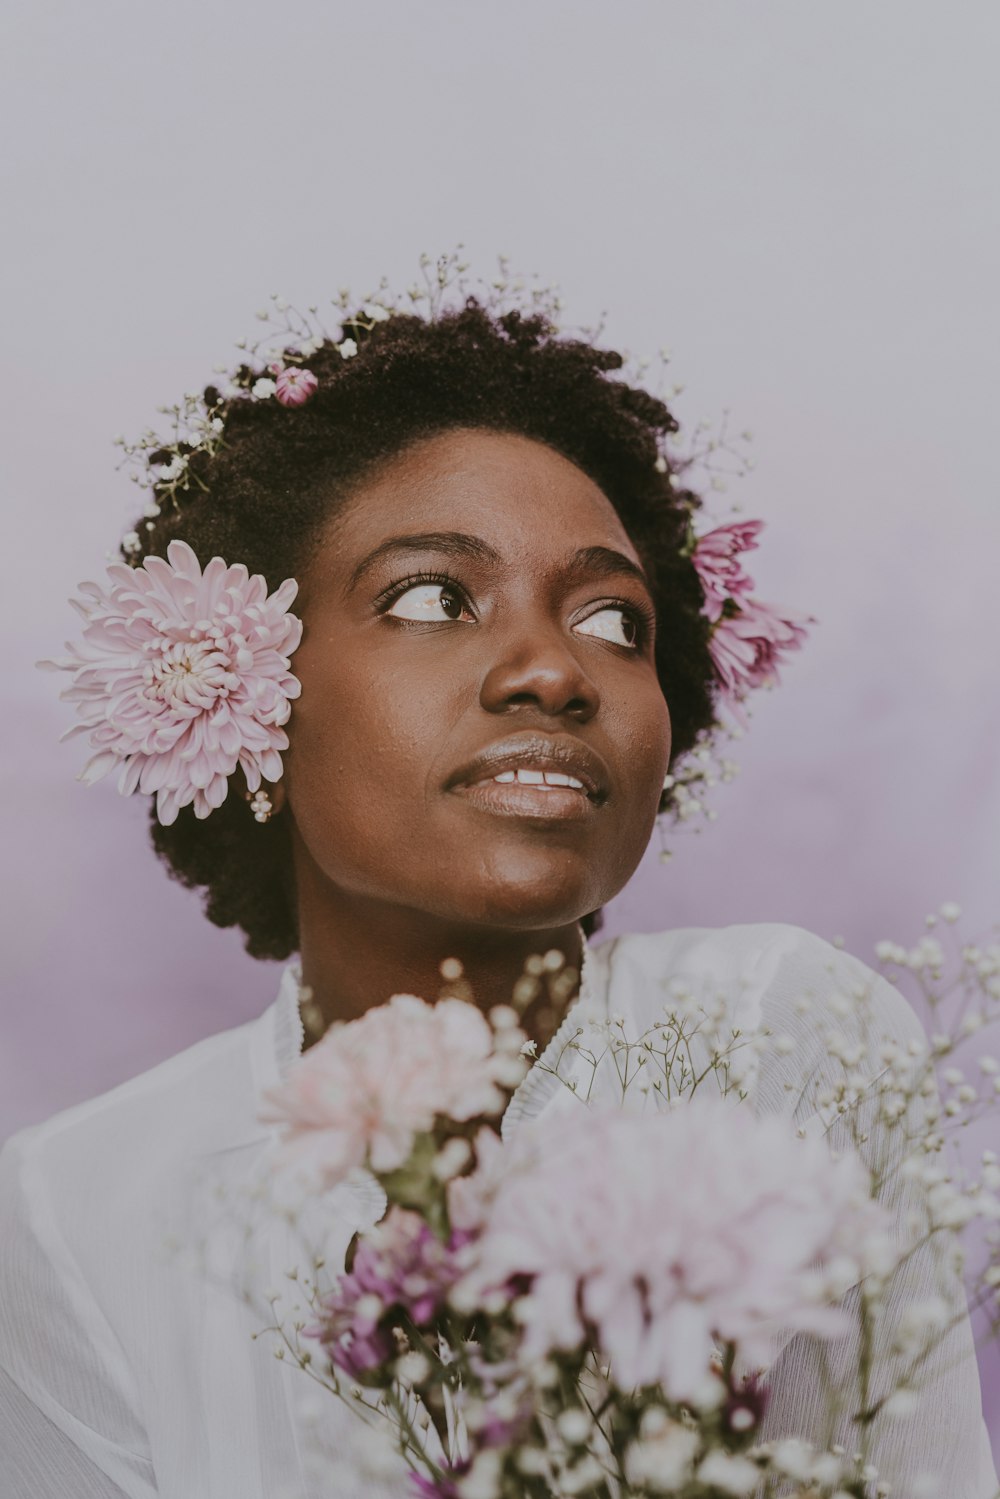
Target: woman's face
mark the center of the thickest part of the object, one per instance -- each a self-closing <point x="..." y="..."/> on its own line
<point x="481" y="734"/>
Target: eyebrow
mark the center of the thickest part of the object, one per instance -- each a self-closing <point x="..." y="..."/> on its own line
<point x="588" y="562"/>
<point x="451" y="543"/>
<point x="605" y="562"/>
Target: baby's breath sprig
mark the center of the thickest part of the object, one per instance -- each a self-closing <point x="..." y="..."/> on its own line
<point x="704" y="767"/>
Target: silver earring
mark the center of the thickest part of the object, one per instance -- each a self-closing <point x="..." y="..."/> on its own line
<point x="261" y="805"/>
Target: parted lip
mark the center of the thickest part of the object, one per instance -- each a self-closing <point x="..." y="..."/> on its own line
<point x="541" y="752"/>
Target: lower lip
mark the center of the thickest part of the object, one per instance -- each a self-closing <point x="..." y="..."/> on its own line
<point x="517" y="799"/>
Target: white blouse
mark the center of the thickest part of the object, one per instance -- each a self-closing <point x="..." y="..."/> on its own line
<point x="127" y="1370"/>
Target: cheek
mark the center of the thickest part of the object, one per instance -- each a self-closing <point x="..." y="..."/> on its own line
<point x="362" y="743"/>
<point x="643" y="735"/>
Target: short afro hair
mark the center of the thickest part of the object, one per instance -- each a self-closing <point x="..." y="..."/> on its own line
<point x="262" y="495"/>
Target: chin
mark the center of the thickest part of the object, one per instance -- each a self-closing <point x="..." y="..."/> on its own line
<point x="554" y="898"/>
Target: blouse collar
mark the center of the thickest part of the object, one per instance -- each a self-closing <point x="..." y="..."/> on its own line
<point x="277" y="1038"/>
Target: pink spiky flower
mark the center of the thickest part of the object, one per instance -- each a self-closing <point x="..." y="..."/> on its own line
<point x="747" y="649"/>
<point x="714" y="557"/>
<point x="182" y="676"/>
<point x="750" y="638"/>
<point x="294" y="386"/>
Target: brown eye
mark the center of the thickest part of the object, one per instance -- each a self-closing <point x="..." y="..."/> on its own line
<point x="611" y="623"/>
<point x="429" y="601"/>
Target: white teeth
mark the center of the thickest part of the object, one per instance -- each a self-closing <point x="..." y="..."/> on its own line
<point x="527" y="777"/>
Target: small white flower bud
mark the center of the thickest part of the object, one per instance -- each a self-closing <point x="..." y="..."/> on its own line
<point x="412" y="1368"/>
<point x="574" y="1426"/>
<point x="452" y="1158"/>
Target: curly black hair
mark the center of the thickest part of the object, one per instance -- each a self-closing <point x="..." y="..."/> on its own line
<point x="262" y="495"/>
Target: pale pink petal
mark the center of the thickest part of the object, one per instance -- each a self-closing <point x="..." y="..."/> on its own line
<point x="175" y="683"/>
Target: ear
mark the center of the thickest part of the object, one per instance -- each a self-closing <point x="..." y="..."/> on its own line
<point x="277" y="795"/>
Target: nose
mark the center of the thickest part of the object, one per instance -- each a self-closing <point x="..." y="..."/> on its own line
<point x="535" y="667"/>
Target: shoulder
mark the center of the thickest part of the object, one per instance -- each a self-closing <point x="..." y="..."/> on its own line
<point x="768" y="975"/>
<point x="774" y="960"/>
<point x="102" y="1171"/>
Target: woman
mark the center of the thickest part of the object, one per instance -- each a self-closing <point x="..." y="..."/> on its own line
<point x="506" y="645"/>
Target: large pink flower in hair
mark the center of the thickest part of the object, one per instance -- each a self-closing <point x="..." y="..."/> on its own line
<point x="182" y="676"/>
<point x="746" y="649"/>
<point x="714" y="557"/>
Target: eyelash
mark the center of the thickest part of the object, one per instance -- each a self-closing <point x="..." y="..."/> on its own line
<point x="395" y="591"/>
<point x="642" y="615"/>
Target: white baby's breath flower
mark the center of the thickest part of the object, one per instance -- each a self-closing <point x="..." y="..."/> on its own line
<point x="574" y="1426"/>
<point x="918" y="1322"/>
<point x="483" y="1479"/>
<point x="452" y="1158"/>
<point x="412" y="1368"/>
<point x="347" y="349"/>
<point x="950" y="911"/>
<point x="582" y="1476"/>
<point x="729" y="1472"/>
<point x="263" y="388"/>
<point x="663" y="1461"/>
<point x="901" y="1405"/>
<point x="793" y="1458"/>
<point x="503" y="1017"/>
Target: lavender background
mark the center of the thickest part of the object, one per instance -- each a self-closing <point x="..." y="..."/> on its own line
<point x="801" y="201"/>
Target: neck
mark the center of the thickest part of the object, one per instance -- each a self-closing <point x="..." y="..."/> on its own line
<point x="356" y="953"/>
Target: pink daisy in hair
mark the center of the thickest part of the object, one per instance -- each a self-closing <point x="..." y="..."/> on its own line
<point x="747" y="648"/>
<point x="714" y="557"/>
<point x="182" y="676"/>
<point x="295" y="386"/>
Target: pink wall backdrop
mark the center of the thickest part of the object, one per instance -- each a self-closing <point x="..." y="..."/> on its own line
<point x="800" y="201"/>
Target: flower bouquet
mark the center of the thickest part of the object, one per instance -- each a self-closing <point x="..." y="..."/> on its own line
<point x="588" y="1305"/>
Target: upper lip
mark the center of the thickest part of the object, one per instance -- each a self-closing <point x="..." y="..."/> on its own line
<point x="541" y="752"/>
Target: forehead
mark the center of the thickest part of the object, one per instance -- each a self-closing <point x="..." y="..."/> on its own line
<point x="518" y="494"/>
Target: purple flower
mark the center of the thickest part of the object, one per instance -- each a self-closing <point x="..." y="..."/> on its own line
<point x="439" y="1488"/>
<point x="747" y="649"/>
<point x="399" y="1267"/>
<point x="294" y="386"/>
<point x="720" y="574"/>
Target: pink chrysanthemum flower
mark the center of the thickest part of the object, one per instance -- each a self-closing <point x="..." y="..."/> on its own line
<point x="664" y="1234"/>
<point x="182" y="676"/>
<point x="714" y="557"/>
<point x="747" y="648"/>
<point x="366" y="1089"/>
<point x="294" y="386"/>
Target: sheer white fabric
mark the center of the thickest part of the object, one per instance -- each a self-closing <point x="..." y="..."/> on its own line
<point x="127" y="1370"/>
